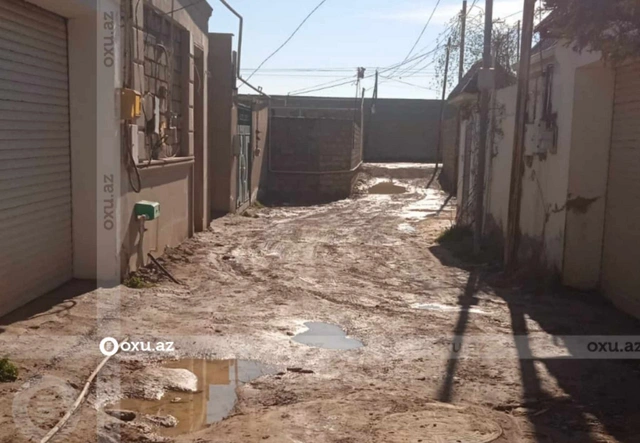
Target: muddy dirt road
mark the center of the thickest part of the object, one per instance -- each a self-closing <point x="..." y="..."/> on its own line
<point x="428" y="352"/>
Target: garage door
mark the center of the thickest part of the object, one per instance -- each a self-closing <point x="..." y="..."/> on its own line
<point x="621" y="255"/>
<point x="35" y="178"/>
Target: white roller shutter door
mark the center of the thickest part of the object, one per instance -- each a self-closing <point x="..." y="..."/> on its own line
<point x="621" y="254"/>
<point x="35" y="173"/>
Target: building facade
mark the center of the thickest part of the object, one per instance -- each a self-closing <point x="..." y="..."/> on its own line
<point x="579" y="185"/>
<point x="102" y="106"/>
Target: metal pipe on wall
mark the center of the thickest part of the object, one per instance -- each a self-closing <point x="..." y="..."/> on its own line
<point x="517" y="166"/>
<point x="241" y="24"/>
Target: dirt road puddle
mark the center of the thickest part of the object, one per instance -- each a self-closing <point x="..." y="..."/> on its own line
<point x="387" y="188"/>
<point x="446" y="308"/>
<point x="327" y="336"/>
<point x="214" y="400"/>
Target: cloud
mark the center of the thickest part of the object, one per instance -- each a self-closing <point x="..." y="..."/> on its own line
<point x="442" y="16"/>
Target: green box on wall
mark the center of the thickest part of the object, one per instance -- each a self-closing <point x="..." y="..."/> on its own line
<point x="150" y="210"/>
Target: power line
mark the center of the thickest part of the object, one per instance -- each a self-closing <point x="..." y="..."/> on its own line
<point x="438" y="42"/>
<point x="303" y="70"/>
<point x="288" y="39"/>
<point x="423" y="30"/>
<point x="322" y="89"/>
<point x="407" y="83"/>
<point x="302" y="90"/>
<point x="328" y="85"/>
<point x="285" y="75"/>
<point x="185" y="7"/>
<point x="510" y="15"/>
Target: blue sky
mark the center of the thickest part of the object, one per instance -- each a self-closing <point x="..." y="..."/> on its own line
<point x="342" y="34"/>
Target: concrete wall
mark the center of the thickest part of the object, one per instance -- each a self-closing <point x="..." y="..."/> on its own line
<point x="449" y="174"/>
<point x="588" y="170"/>
<point x="221" y="122"/>
<point x="546" y="175"/>
<point x="170" y="185"/>
<point x="259" y="166"/>
<point x="400" y="130"/>
<point x="170" y="181"/>
<point x="223" y="127"/>
<point x="99" y="154"/>
<point x="559" y="233"/>
<point x="313" y="157"/>
<point x="499" y="174"/>
<point x="83" y="65"/>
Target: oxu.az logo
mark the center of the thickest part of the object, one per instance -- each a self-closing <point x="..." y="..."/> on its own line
<point x="109" y="346"/>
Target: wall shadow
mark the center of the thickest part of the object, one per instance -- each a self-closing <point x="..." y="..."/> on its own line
<point x="52" y="303"/>
<point x="600" y="396"/>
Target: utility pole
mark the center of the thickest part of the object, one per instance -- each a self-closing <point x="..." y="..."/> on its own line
<point x="442" y="109"/>
<point x="370" y="111"/>
<point x="463" y="30"/>
<point x="517" y="167"/>
<point x="486" y="84"/>
<point x="519" y="36"/>
<point x="463" y="36"/>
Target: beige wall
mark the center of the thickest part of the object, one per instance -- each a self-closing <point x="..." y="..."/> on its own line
<point x="223" y="127"/>
<point x="591" y="135"/>
<point x="221" y="121"/>
<point x="95" y="128"/>
<point x="259" y="145"/>
<point x="83" y="62"/>
<point x="498" y="183"/>
<point x="170" y="186"/>
<point x="173" y="183"/>
<point x="546" y="177"/>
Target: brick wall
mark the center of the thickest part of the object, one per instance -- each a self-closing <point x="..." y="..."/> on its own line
<point x="313" y="155"/>
<point x="400" y="130"/>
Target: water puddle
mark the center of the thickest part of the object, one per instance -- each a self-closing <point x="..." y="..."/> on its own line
<point x="327" y="336"/>
<point x="406" y="228"/>
<point x="214" y="399"/>
<point x="446" y="308"/>
<point x="387" y="188"/>
<point x="431" y="204"/>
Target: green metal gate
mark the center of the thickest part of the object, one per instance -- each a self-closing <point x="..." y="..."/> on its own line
<point x="244" y="156"/>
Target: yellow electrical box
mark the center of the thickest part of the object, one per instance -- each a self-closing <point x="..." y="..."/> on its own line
<point x="130" y="104"/>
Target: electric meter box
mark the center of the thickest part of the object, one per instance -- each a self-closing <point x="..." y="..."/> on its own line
<point x="150" y="210"/>
<point x="130" y="104"/>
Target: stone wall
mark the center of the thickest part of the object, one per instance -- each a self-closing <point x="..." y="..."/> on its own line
<point x="313" y="157"/>
<point x="400" y="130"/>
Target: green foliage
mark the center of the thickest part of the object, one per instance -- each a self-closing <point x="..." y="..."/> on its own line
<point x="135" y="282"/>
<point x="454" y="234"/>
<point x="504" y="46"/>
<point x="458" y="240"/>
<point x="8" y="371"/>
<point x="610" y="26"/>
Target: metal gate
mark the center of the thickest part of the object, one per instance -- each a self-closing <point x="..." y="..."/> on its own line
<point x="621" y="253"/>
<point x="244" y="156"/>
<point x="35" y="169"/>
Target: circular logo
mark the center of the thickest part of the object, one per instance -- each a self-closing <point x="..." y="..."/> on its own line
<point x="106" y="350"/>
<point x="40" y="403"/>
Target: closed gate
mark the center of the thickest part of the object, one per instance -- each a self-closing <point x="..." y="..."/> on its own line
<point x="35" y="164"/>
<point x="244" y="156"/>
<point x="621" y="253"/>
